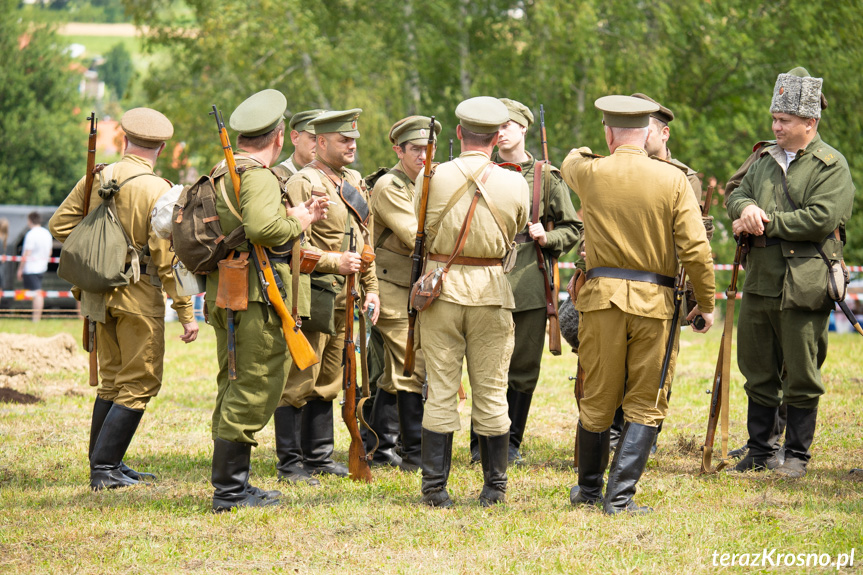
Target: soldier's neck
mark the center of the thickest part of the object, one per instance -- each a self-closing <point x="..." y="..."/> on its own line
<point x="515" y="156"/>
<point x="328" y="169"/>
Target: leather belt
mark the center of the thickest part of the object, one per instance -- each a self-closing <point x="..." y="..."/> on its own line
<point x="635" y="275"/>
<point x="763" y="241"/>
<point x="466" y="261"/>
<point x="523" y="238"/>
<point x="278" y="259"/>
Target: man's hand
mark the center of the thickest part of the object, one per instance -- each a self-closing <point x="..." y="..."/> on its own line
<point x="708" y="320"/>
<point x="537" y="234"/>
<point x="313" y="210"/>
<point x="372" y="298"/>
<point x="190" y="332"/>
<point x="751" y="221"/>
<point x="349" y="263"/>
<point x="20" y="274"/>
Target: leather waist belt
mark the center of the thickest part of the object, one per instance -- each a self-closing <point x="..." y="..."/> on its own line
<point x="635" y="275"/>
<point x="466" y="261"/>
<point x="278" y="259"/>
<point x="523" y="238"/>
<point x="762" y="241"/>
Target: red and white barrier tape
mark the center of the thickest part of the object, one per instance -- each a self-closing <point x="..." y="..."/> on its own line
<point x="4" y="258"/>
<point x="26" y="294"/>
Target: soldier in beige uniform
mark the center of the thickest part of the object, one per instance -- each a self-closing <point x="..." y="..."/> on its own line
<point x="304" y="418"/>
<point x="471" y="319"/>
<point x="130" y="332"/>
<point x="398" y="405"/>
<point x="303" y="139"/>
<point x="639" y="217"/>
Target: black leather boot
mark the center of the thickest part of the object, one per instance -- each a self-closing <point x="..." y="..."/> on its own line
<point x="436" y="463"/>
<point x="288" y="422"/>
<point x="616" y="428"/>
<point x="761" y="422"/>
<point x="628" y="464"/>
<point x="101" y="407"/>
<point x="799" y="433"/>
<point x="385" y="422"/>
<point x="474" y="445"/>
<point x="116" y="434"/>
<point x="410" y="408"/>
<point x="593" y="451"/>
<point x="519" y="407"/>
<point x="230" y="478"/>
<point x="318" y="440"/>
<point x="494" y="454"/>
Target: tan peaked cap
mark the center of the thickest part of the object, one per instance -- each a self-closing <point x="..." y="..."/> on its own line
<point x="146" y="127"/>
<point x="625" y="111"/>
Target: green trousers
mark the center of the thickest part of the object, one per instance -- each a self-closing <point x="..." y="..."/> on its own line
<point x="529" y="343"/>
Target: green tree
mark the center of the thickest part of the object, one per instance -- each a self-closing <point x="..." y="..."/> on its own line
<point x="118" y="69"/>
<point x="42" y="147"/>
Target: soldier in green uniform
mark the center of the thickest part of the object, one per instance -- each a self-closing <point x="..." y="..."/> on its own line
<point x="554" y="205"/>
<point x="471" y="318"/>
<point x="398" y="404"/>
<point x="244" y="405"/>
<point x="639" y="217"/>
<point x="303" y="139"/>
<point x="793" y="201"/>
<point x="130" y="328"/>
<point x="304" y="418"/>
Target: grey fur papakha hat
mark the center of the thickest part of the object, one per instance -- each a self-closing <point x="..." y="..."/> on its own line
<point x="797" y="93"/>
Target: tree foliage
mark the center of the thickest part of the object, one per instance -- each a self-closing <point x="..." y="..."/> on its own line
<point x="118" y="70"/>
<point x="41" y="146"/>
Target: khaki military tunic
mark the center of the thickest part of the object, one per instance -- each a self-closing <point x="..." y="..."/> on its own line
<point x="324" y="380"/>
<point x="245" y="405"/>
<point x="471" y="319"/>
<point x="395" y="231"/>
<point x="287" y="168"/>
<point x="691" y="175"/>
<point x="131" y="341"/>
<point x="639" y="214"/>
<point x="528" y="286"/>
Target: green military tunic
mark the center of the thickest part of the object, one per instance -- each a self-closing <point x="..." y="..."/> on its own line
<point x="471" y="319"/>
<point x="244" y="405"/>
<point x="131" y="340"/>
<point x="528" y="286"/>
<point x="771" y="337"/>
<point x="395" y="230"/>
<point x="639" y="214"/>
<point x="324" y="380"/>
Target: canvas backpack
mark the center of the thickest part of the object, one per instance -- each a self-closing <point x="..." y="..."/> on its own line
<point x="197" y="234"/>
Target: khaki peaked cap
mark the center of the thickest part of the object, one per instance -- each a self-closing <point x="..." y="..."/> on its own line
<point x="518" y="112"/>
<point x="663" y="114"/>
<point x="413" y="129"/>
<point x="482" y="115"/>
<point x="146" y="127"/>
<point x="259" y="114"/>
<point x="343" y="122"/>
<point x="625" y="111"/>
<point x="300" y="120"/>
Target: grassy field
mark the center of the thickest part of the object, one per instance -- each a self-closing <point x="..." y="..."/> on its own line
<point x="50" y="522"/>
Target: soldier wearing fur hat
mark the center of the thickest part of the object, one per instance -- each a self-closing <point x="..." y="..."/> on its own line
<point x="529" y="315"/>
<point x="398" y="405"/>
<point x="304" y="419"/>
<point x="639" y="216"/>
<point x="130" y="327"/>
<point x="793" y="203"/>
<point x="471" y="318"/>
<point x="245" y="405"/>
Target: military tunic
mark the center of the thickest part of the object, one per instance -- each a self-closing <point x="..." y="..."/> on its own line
<point x="769" y="337"/>
<point x="639" y="214"/>
<point x="131" y="341"/>
<point x="471" y="318"/>
<point x="528" y="287"/>
<point x="287" y="168"/>
<point x="324" y="380"/>
<point x="395" y="230"/>
<point x="244" y="405"/>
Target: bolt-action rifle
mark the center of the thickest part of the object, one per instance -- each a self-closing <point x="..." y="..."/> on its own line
<point x="302" y="352"/>
<point x="552" y="285"/>
<point x="89" y="336"/>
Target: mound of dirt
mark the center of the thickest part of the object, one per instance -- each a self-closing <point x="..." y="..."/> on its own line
<point x="8" y="395"/>
<point x="24" y="358"/>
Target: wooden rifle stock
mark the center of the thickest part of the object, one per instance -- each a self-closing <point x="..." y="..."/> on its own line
<point x="358" y="465"/>
<point x="419" y="246"/>
<point x="552" y="287"/>
<point x="301" y="350"/>
<point x="720" y="389"/>
<point x="89" y="335"/>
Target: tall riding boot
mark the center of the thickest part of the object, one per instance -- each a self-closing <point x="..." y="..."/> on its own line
<point x="519" y="407"/>
<point x="616" y="428"/>
<point x="493" y="452"/>
<point x="114" y="438"/>
<point x="436" y="463"/>
<point x="318" y="439"/>
<point x="630" y="458"/>
<point x="760" y="422"/>
<point x="101" y="407"/>
<point x="798" y="439"/>
<point x="410" y="408"/>
<point x="776" y="438"/>
<point x="288" y="422"/>
<point x="593" y="451"/>
<point x="474" y="445"/>
<point x="385" y="422"/>
<point x="230" y="477"/>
